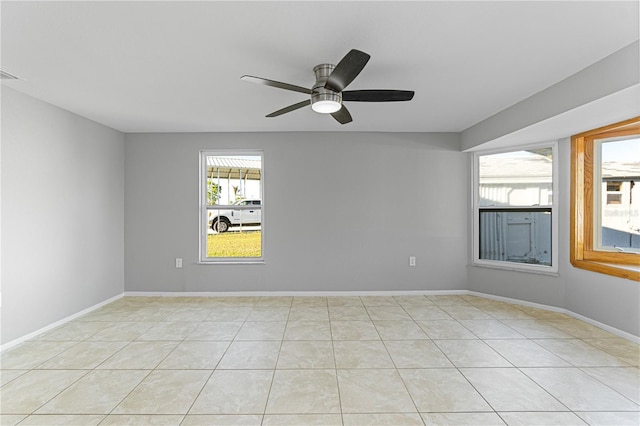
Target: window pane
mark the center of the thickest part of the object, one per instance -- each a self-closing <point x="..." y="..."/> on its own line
<point x="520" y="178"/>
<point x="619" y="225"/>
<point x="234" y="206"/>
<point x="516" y="236"/>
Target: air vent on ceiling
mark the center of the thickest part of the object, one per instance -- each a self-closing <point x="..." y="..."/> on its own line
<point x="6" y="76"/>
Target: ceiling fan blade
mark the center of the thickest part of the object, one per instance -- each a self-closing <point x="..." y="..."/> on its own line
<point x="346" y="70"/>
<point x="342" y="116"/>
<point x="377" y="95"/>
<point x="277" y="84"/>
<point x="290" y="108"/>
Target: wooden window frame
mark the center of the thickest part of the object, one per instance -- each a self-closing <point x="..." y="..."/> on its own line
<point x="583" y="253"/>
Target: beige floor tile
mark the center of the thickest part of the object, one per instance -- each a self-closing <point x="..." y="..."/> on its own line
<point x="505" y="312"/>
<point x="383" y="419"/>
<point x="468" y="312"/>
<point x="269" y="313"/>
<point x="164" y="392"/>
<point x="579" y="353"/>
<point x="373" y="391"/>
<point x="335" y="301"/>
<point x="361" y="354"/>
<point x="471" y="353"/>
<point x="31" y="354"/>
<point x="536" y="329"/>
<point x="169" y="331"/>
<point x="580" y="329"/>
<point x="74" y="331"/>
<point x="8" y="375"/>
<point x="309" y="313"/>
<point x="304" y="392"/>
<point x="31" y="390"/>
<point x="348" y="313"/>
<point x="139" y="355"/>
<point x="142" y="420"/>
<point x="448" y="300"/>
<point x="302" y="419"/>
<point x="442" y="390"/>
<point x="462" y="419"/>
<point x="250" y="355"/>
<point x="388" y="313"/>
<point x="378" y="301"/>
<point x="625" y="380"/>
<point x="229" y="313"/>
<point x="611" y="418"/>
<point x="221" y="420"/>
<point x="445" y="329"/>
<point x="526" y="353"/>
<point x="427" y="313"/>
<point x="542" y="419"/>
<point x="507" y="389"/>
<point x="399" y="330"/>
<point x="284" y="355"/>
<point x="241" y="301"/>
<point x="354" y="330"/>
<point x="75" y="420"/>
<point x="413" y="301"/>
<point x="579" y="391"/>
<point x="122" y="331"/>
<point x="195" y="356"/>
<point x="416" y="354"/>
<point x="306" y="354"/>
<point x="11" y="419"/>
<point x="149" y="313"/>
<point x="275" y="301"/>
<point x="309" y="301"/>
<point x="262" y="330"/>
<point x="215" y="330"/>
<point x="189" y="314"/>
<point x="98" y="392"/>
<point x="307" y="330"/>
<point x="234" y="392"/>
<point x="84" y="355"/>
<point x="491" y="329"/>
<point x="623" y="349"/>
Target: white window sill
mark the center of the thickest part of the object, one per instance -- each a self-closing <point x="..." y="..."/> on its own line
<point x="514" y="267"/>
<point x="232" y="262"/>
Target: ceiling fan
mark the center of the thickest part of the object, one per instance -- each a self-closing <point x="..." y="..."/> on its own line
<point x="327" y="94"/>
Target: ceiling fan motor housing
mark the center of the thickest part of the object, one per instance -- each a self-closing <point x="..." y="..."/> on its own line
<point x="324" y="100"/>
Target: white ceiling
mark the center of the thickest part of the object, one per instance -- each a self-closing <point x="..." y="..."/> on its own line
<point x="176" y="66"/>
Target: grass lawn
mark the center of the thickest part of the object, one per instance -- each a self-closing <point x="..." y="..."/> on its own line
<point x="235" y="244"/>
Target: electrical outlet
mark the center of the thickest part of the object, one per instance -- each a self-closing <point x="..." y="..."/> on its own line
<point x="412" y="261"/>
<point x="178" y="262"/>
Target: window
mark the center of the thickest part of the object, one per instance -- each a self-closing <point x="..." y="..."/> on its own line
<point x="605" y="199"/>
<point x="514" y="219"/>
<point x="231" y="215"/>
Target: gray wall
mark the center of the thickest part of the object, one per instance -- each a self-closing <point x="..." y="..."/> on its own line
<point x="342" y="212"/>
<point x="603" y="298"/>
<point x="62" y="214"/>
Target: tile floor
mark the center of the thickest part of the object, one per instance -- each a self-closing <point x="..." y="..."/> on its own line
<point x="405" y="360"/>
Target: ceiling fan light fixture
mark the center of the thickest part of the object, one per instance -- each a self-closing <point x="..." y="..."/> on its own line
<point x="325" y="101"/>
<point x="326" y="106"/>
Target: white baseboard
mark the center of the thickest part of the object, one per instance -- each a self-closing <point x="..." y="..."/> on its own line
<point x="292" y="293"/>
<point x="51" y="326"/>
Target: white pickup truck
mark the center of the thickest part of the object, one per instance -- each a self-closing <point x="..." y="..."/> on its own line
<point x="221" y="220"/>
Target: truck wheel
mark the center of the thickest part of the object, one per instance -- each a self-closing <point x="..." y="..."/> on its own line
<point x="220" y="226"/>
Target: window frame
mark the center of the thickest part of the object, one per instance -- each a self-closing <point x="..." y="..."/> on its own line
<point x="583" y="252"/>
<point x="553" y="207"/>
<point x="203" y="223"/>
